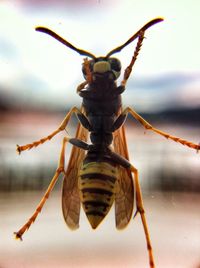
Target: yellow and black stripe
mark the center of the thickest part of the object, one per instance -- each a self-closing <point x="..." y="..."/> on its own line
<point x="97" y="189"/>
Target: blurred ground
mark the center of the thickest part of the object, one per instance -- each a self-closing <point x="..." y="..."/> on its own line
<point x="162" y="164"/>
<point x="36" y="90"/>
<point x="174" y="224"/>
<point x="169" y="175"/>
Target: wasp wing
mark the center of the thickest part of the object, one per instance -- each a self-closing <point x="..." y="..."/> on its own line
<point x="70" y="194"/>
<point x="124" y="197"/>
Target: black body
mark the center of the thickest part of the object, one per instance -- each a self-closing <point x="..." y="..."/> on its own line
<point x="101" y="99"/>
<point x="102" y="104"/>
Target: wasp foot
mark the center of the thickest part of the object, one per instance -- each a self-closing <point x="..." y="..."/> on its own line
<point x="18" y="236"/>
<point x="18" y="149"/>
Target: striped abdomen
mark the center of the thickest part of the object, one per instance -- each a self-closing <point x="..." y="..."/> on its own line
<point x="97" y="190"/>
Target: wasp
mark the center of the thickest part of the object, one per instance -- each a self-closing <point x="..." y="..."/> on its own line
<point x="100" y="173"/>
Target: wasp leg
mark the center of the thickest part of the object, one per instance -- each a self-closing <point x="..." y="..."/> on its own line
<point x="49" y="137"/>
<point x="119" y="121"/>
<point x="60" y="169"/>
<point x="140" y="209"/>
<point x="128" y="70"/>
<point x="81" y="86"/>
<point x="86" y="65"/>
<point x="164" y="134"/>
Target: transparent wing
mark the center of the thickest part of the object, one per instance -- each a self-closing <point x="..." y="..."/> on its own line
<point x="70" y="195"/>
<point x="124" y="197"/>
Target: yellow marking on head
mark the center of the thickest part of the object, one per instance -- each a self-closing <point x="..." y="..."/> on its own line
<point x="101" y="67"/>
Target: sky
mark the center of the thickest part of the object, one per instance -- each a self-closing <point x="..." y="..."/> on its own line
<point x="36" y="68"/>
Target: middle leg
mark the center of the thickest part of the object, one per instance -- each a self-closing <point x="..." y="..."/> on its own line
<point x="162" y="133"/>
<point x="62" y="126"/>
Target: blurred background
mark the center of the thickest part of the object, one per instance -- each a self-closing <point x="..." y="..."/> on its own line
<point x="38" y="80"/>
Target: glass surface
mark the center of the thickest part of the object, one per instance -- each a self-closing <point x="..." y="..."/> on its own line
<point x="38" y="81"/>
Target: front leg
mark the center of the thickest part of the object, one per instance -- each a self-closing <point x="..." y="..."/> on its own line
<point x="62" y="126"/>
<point x="128" y="69"/>
<point x="164" y="134"/>
<point x="88" y="75"/>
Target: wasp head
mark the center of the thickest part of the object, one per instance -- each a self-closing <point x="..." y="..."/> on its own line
<point x="102" y="68"/>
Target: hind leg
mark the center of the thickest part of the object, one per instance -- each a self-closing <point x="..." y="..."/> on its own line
<point x="139" y="202"/>
<point x="59" y="170"/>
<point x="140" y="209"/>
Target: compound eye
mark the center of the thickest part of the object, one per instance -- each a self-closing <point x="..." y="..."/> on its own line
<point x="91" y="64"/>
<point x="115" y="64"/>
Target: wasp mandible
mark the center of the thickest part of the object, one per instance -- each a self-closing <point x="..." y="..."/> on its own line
<point x="100" y="174"/>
